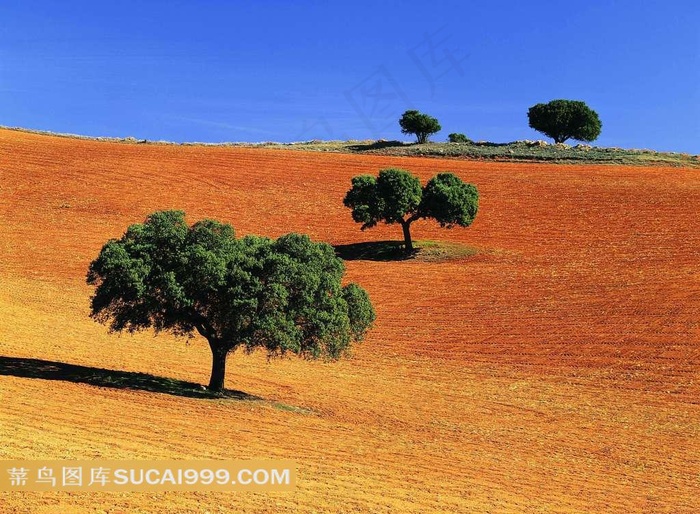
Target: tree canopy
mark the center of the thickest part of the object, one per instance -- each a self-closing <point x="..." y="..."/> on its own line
<point x="456" y="137"/>
<point x="565" y="119"/>
<point x="396" y="196"/>
<point x="283" y="295"/>
<point x="422" y="125"/>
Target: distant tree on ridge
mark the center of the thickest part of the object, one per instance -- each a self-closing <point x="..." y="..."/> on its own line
<point x="422" y="125"/>
<point x="565" y="119"/>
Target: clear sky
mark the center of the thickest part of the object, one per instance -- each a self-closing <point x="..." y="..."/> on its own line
<point x="214" y="71"/>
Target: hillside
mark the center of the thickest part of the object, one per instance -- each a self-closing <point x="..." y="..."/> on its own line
<point x="557" y="369"/>
<point x="516" y="151"/>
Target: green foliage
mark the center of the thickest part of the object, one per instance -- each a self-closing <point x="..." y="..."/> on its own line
<point x="389" y="197"/>
<point x="396" y="196"/>
<point x="399" y="193"/>
<point x="422" y="125"/>
<point x="456" y="137"/>
<point x="360" y="310"/>
<point x="364" y="201"/>
<point x="449" y="201"/>
<point x="565" y="119"/>
<point x="282" y="295"/>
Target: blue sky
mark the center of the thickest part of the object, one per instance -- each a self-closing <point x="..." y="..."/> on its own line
<point x="216" y="71"/>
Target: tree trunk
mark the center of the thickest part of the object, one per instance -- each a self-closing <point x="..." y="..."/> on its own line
<point x="218" y="366"/>
<point x="408" y="244"/>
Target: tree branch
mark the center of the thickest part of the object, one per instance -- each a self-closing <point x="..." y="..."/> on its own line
<point x="200" y="323"/>
<point x="412" y="218"/>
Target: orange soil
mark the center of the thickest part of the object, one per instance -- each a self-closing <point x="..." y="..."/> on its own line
<point x="557" y="370"/>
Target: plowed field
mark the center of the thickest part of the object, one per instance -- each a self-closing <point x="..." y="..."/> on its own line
<point x="556" y="370"/>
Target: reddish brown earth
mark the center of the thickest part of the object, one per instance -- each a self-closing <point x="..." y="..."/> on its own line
<point x="556" y="370"/>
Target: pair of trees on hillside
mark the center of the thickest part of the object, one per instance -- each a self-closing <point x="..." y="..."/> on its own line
<point x="559" y="119"/>
<point x="283" y="295"/>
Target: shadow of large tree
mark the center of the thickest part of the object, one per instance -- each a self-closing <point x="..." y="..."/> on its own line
<point x="101" y="377"/>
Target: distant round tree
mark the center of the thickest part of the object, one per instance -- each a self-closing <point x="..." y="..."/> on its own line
<point x="565" y="119"/>
<point x="282" y="295"/>
<point x="456" y="137"/>
<point x="396" y="196"/>
<point x="422" y="125"/>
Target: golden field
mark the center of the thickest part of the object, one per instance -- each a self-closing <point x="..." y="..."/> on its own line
<point x="555" y="370"/>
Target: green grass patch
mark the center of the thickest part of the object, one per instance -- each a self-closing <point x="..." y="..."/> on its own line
<point x="291" y="408"/>
<point x="438" y="251"/>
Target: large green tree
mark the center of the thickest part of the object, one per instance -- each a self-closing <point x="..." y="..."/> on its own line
<point x="565" y="119"/>
<point x="281" y="295"/>
<point x="422" y="125"/>
<point x="396" y="196"/>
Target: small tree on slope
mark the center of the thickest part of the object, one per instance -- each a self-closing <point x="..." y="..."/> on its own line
<point x="396" y="196"/>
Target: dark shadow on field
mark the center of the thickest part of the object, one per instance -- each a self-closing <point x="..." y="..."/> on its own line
<point x="377" y="145"/>
<point x="373" y="251"/>
<point x="51" y="370"/>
